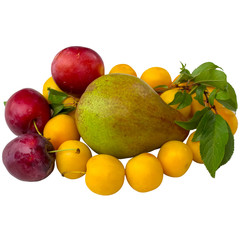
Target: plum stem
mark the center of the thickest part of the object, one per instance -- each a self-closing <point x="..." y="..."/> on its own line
<point x="67" y="149"/>
<point x="35" y="125"/>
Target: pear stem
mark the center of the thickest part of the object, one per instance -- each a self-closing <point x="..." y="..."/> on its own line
<point x="67" y="149"/>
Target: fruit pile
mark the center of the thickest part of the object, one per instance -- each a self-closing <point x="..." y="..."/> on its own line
<point x="119" y="115"/>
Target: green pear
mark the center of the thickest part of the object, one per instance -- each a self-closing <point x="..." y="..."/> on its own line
<point x="123" y="116"/>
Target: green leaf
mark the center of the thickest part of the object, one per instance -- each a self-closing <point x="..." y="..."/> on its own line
<point x="56" y="97"/>
<point x="229" y="148"/>
<point x="161" y="86"/>
<point x="183" y="69"/>
<point x="193" y="89"/>
<point x="194" y="121"/>
<point x="186" y="100"/>
<point x="177" y="98"/>
<point x="184" y="77"/>
<point x="212" y="77"/>
<point x="203" y="67"/>
<point x="212" y="97"/>
<point x="57" y="108"/>
<point x="66" y="110"/>
<point x="200" y="93"/>
<point x="227" y="97"/>
<point x="213" y="141"/>
<point x="60" y="108"/>
<point x="5" y="102"/>
<point x="203" y="125"/>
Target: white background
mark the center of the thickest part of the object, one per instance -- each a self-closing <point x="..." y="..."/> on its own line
<point x="142" y="34"/>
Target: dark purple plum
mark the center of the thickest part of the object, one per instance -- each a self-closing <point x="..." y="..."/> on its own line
<point x="27" y="157"/>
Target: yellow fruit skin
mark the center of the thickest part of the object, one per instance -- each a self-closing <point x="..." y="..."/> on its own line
<point x="195" y="105"/>
<point x="144" y="172"/>
<point x="228" y="116"/>
<point x="72" y="163"/>
<point x="49" y="84"/>
<point x="71" y="102"/>
<point x="195" y="147"/>
<point x="123" y="68"/>
<point x="60" y="129"/>
<point x="72" y="114"/>
<point x="105" y="174"/>
<point x="156" y="76"/>
<point x="168" y="97"/>
<point x="175" y="157"/>
<point x="175" y="79"/>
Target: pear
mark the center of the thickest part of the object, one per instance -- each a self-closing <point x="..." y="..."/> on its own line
<point x="121" y="115"/>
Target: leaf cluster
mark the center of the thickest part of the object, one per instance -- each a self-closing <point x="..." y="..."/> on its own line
<point x="56" y="99"/>
<point x="206" y="75"/>
<point x="212" y="131"/>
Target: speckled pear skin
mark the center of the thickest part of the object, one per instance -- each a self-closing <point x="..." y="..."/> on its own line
<point x="123" y="116"/>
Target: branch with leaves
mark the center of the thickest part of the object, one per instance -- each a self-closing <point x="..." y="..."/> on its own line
<point x="57" y="98"/>
<point x="212" y="131"/>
